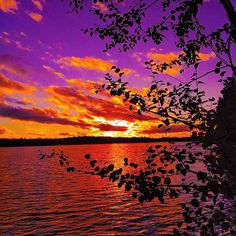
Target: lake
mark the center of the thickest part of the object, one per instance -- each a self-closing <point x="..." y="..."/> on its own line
<point x="38" y="197"/>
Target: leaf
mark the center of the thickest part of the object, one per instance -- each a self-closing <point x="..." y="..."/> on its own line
<point x="141" y="199"/>
<point x="196" y="65"/>
<point x="87" y="156"/>
<point x="126" y="95"/>
<point x="183" y="172"/>
<point x="92" y="163"/>
<point x="173" y="17"/>
<point x="156" y="179"/>
<point x="195" y="202"/>
<point x="70" y="169"/>
<point x="167" y="122"/>
<point x="167" y="181"/>
<point x="158" y="146"/>
<point x="218" y="64"/>
<point x="160" y="198"/>
<point x="221" y="205"/>
<point x="176" y="232"/>
<point x="225" y="225"/>
<point x="179" y="224"/>
<point x="201" y="176"/>
<point x="154" y="86"/>
<point x="128" y="187"/>
<point x="178" y="167"/>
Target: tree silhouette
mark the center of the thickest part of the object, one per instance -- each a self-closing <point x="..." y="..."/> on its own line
<point x="181" y="103"/>
<point x="226" y="124"/>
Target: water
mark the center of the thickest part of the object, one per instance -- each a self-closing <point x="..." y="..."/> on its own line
<point x="38" y="197"/>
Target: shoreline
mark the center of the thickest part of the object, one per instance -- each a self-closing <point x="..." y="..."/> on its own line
<point x="86" y="140"/>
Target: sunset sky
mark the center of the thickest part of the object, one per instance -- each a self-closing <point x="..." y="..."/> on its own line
<point x="49" y="71"/>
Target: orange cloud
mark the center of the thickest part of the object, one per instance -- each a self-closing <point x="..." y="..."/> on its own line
<point x="10" y="86"/>
<point x="87" y="85"/>
<point x="81" y="98"/>
<point x="151" y="129"/>
<point x="108" y="127"/>
<point x="162" y="57"/>
<point x="8" y="6"/>
<point x="170" y="129"/>
<point x="47" y="115"/>
<point x="28" y="101"/>
<point x="89" y="63"/>
<point x="165" y="57"/>
<point x="38" y="4"/>
<point x="51" y="70"/>
<point x="168" y="57"/>
<point x="101" y="6"/>
<point x="12" y="69"/>
<point x="2" y="131"/>
<point x="206" y="56"/>
<point x="65" y="134"/>
<point x="35" y="16"/>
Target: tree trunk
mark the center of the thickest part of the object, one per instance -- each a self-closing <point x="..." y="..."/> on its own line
<point x="229" y="8"/>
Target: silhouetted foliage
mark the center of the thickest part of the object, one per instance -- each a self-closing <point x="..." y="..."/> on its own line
<point x="87" y="140"/>
<point x="182" y="103"/>
<point x="226" y="125"/>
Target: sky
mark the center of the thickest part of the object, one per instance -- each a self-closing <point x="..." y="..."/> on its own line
<point x="49" y="71"/>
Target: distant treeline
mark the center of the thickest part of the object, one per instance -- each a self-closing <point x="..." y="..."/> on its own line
<point x="84" y="140"/>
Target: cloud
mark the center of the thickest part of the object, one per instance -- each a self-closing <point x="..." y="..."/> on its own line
<point x="86" y="85"/>
<point x="153" y="129"/>
<point x="138" y="56"/>
<point x="28" y="101"/>
<point x="162" y="57"/>
<point x="165" y="57"/>
<point x="8" y="86"/>
<point x="89" y="63"/>
<point x="2" y="131"/>
<point x="16" y="101"/>
<point x="24" y="71"/>
<point x="47" y="116"/>
<point x="65" y="97"/>
<point x="206" y="56"/>
<point x="5" y="38"/>
<point x="36" y="134"/>
<point x="108" y="127"/>
<point x="65" y="134"/>
<point x="168" y="57"/>
<point x="101" y="6"/>
<point x="38" y="4"/>
<point x="12" y="69"/>
<point x="51" y="70"/>
<point x="34" y="16"/>
<point x="8" y="6"/>
<point x="80" y="99"/>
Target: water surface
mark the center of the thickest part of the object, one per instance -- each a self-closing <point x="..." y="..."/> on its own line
<point x="38" y="197"/>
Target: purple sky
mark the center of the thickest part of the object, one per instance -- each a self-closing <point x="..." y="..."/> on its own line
<point x="49" y="68"/>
